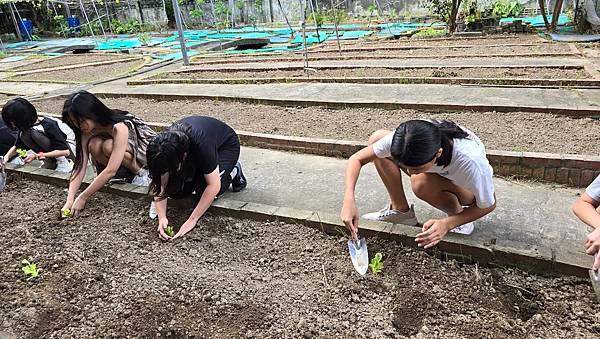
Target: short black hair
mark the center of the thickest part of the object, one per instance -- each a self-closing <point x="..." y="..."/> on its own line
<point x="20" y="113"/>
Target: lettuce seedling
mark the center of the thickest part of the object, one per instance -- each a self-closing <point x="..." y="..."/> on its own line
<point x="30" y="269"/>
<point x="21" y="152"/>
<point x="65" y="212"/>
<point x="170" y="231"/>
<point x="376" y="265"/>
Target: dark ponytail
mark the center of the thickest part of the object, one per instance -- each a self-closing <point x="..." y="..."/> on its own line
<point x="169" y="152"/>
<point x="416" y="142"/>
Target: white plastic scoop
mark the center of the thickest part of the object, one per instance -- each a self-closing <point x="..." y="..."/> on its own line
<point x="359" y="255"/>
<point x="595" y="278"/>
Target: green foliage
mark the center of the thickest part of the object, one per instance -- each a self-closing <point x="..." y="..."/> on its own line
<point x="317" y="18"/>
<point x="336" y="16"/>
<point x="429" y="33"/>
<point x="506" y="8"/>
<point x="170" y="231"/>
<point x="196" y="13"/>
<point x="132" y="26"/>
<point x="240" y="4"/>
<point x="376" y="265"/>
<point x="65" y="213"/>
<point x="440" y="8"/>
<point x="222" y="14"/>
<point x="21" y="152"/>
<point x="145" y="38"/>
<point x="30" y="269"/>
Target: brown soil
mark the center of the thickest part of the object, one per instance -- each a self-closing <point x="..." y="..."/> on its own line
<point x="72" y="59"/>
<point x="383" y="50"/>
<point x="106" y="274"/>
<point x="364" y="72"/>
<point x="505" y="40"/>
<point x="9" y="66"/>
<point x="4" y="98"/>
<point x="514" y="131"/>
<point x="83" y="74"/>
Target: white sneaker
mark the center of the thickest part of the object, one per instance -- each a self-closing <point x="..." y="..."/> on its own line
<point x="465" y="229"/>
<point x="141" y="178"/>
<point x="63" y="165"/>
<point x="152" y="213"/>
<point x="394" y="216"/>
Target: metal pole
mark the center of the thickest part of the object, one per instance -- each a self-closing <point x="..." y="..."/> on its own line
<point x="12" y="12"/>
<point x="186" y="61"/>
<point x="335" y="19"/>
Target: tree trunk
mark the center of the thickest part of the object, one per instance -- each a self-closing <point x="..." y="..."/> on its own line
<point x="555" y="16"/>
<point x="453" y="15"/>
<point x="544" y="14"/>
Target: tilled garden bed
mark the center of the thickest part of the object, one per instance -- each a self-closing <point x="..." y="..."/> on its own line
<point x="511" y="131"/>
<point x="82" y="74"/>
<point x="106" y="274"/>
<point x="381" y="72"/>
<point x="71" y="59"/>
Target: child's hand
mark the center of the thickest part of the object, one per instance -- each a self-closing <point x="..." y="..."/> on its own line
<point x="30" y="157"/>
<point x="592" y="246"/>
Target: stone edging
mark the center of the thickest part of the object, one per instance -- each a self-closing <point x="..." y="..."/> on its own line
<point x="464" y="249"/>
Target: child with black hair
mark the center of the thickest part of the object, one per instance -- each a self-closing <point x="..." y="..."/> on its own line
<point x="8" y="136"/>
<point x="448" y="169"/>
<point x="586" y="209"/>
<point x="197" y="156"/>
<point x="50" y="139"/>
<point x="115" y="140"/>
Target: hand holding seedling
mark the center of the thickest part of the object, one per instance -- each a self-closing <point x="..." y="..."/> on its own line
<point x="163" y="224"/>
<point x="185" y="228"/>
<point x="433" y="232"/>
<point x="592" y="246"/>
<point x="78" y="206"/>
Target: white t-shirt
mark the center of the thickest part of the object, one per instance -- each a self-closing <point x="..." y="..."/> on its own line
<point x="468" y="168"/>
<point x="593" y="190"/>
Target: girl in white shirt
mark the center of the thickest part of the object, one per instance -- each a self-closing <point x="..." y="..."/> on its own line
<point x="448" y="169"/>
<point x="586" y="209"/>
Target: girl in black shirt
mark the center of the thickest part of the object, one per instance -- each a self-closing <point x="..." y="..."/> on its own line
<point x="196" y="156"/>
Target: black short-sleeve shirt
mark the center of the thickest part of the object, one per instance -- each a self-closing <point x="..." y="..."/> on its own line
<point x="208" y="135"/>
<point x="49" y="127"/>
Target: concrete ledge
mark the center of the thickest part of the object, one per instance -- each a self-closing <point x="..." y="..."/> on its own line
<point x="466" y="249"/>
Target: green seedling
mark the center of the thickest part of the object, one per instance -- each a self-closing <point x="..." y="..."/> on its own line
<point x="30" y="269"/>
<point x="65" y="212"/>
<point x="376" y="265"/>
<point x="170" y="231"/>
<point x="21" y="152"/>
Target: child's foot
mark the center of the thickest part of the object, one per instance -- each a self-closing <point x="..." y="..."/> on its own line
<point x="394" y="216"/>
<point x="63" y="165"/>
<point x="239" y="181"/>
<point x="141" y="178"/>
<point x="465" y="229"/>
<point x="152" y="213"/>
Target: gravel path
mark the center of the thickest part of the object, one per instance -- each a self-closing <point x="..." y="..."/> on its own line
<point x="106" y="274"/>
<point x="72" y="59"/>
<point x="83" y="74"/>
<point x="515" y="131"/>
<point x="363" y="72"/>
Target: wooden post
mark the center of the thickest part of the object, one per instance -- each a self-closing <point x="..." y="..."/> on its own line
<point x="14" y="18"/>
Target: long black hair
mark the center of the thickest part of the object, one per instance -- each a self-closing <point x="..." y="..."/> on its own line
<point x="84" y="105"/>
<point x="416" y="142"/>
<point x="169" y="152"/>
<point x="20" y="113"/>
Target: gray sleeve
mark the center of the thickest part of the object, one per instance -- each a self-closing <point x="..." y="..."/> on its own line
<point x="593" y="190"/>
<point x="383" y="147"/>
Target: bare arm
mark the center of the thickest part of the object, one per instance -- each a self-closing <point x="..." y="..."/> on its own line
<point x="11" y="153"/>
<point x="77" y="178"/>
<point x="585" y="209"/>
<point x="468" y="214"/>
<point x="349" y="213"/>
<point x="120" y="136"/>
<point x="213" y="181"/>
<point x="57" y="153"/>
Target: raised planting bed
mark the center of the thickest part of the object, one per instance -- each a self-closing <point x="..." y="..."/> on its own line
<point x="510" y="131"/>
<point x="70" y="60"/>
<point x="106" y="274"/>
<point x="82" y="74"/>
<point x="382" y="54"/>
<point x="526" y="76"/>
